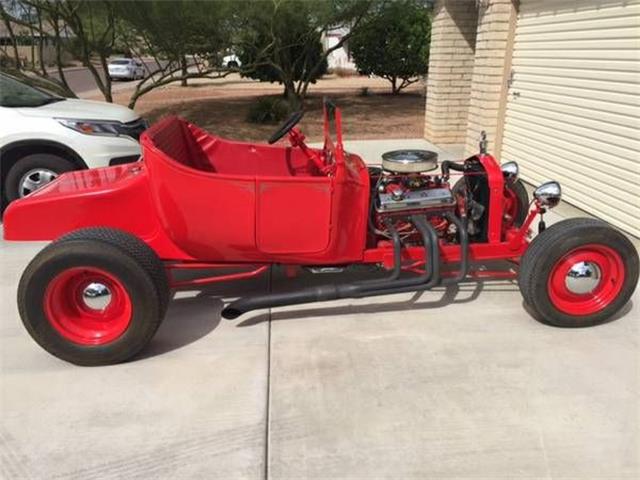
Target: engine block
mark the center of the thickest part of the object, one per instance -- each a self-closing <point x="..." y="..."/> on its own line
<point x="409" y="200"/>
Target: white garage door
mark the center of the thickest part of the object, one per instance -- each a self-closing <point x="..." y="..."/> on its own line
<point x="573" y="109"/>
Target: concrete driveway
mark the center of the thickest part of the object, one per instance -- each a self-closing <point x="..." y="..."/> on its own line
<point x="452" y="383"/>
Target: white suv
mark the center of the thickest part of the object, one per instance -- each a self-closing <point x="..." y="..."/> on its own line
<point x="44" y="135"/>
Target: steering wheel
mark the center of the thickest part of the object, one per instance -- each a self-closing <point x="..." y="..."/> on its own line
<point x="288" y="124"/>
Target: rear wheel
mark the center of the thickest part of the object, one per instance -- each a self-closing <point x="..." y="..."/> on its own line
<point x="578" y="273"/>
<point x="133" y="247"/>
<point x="89" y="302"/>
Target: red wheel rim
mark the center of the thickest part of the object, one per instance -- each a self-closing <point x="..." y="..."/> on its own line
<point x="573" y="286"/>
<point x="81" y="311"/>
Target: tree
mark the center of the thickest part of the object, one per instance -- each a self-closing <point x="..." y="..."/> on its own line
<point x="181" y="35"/>
<point x="92" y="25"/>
<point x="394" y="43"/>
<point x="28" y="19"/>
<point x="280" y="41"/>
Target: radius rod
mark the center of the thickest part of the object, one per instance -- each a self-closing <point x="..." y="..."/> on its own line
<point x="367" y="288"/>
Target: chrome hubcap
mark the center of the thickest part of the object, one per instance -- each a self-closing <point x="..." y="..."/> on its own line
<point x="583" y="278"/>
<point x="34" y="179"/>
<point x="96" y="296"/>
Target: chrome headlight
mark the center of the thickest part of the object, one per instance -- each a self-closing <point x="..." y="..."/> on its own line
<point x="510" y="172"/>
<point x="548" y="194"/>
<point x="92" y="127"/>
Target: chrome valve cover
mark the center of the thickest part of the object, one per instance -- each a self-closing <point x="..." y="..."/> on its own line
<point x="415" y="200"/>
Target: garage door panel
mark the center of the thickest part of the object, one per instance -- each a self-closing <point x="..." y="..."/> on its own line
<point x="624" y="54"/>
<point x="573" y="109"/>
<point x="594" y="45"/>
<point x="588" y="176"/>
<point x="574" y="83"/>
<point x="618" y="212"/>
<point x="582" y="64"/>
<point x="602" y="79"/>
<point x="547" y="12"/>
<point x="574" y="128"/>
<point x="571" y="27"/>
<point x="611" y="169"/>
<point x="607" y="101"/>
<point x="617" y="125"/>
<point x="582" y="38"/>
<point x="619" y="112"/>
<point x="560" y="138"/>
<point x="621" y="217"/>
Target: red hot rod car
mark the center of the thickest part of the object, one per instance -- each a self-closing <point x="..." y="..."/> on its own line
<point x="98" y="293"/>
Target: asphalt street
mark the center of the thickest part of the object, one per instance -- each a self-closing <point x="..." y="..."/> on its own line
<point x="81" y="80"/>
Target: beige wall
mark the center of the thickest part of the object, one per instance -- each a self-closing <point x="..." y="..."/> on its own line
<point x="491" y="69"/>
<point x="450" y="70"/>
<point x="49" y="53"/>
<point x="468" y="71"/>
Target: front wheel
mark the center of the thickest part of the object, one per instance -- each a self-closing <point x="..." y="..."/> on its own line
<point x="89" y="302"/>
<point x="33" y="172"/>
<point x="578" y="273"/>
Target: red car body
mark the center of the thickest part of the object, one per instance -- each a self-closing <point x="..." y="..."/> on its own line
<point x="198" y="197"/>
<point x="196" y="201"/>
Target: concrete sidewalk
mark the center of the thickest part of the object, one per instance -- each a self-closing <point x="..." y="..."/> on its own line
<point x="453" y="383"/>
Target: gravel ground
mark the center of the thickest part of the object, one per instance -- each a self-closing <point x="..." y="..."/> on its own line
<point x="221" y="106"/>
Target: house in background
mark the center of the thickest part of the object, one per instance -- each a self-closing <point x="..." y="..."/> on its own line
<point x="28" y="44"/>
<point x="341" y="57"/>
<point x="556" y="86"/>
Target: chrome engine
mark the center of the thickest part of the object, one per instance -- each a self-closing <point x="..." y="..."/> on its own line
<point x="401" y="200"/>
<point x="407" y="185"/>
<point x="404" y="186"/>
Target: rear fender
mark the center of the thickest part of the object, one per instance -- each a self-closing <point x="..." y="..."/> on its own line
<point x="116" y="197"/>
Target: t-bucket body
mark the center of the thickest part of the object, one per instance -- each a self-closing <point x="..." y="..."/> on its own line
<point x="125" y="235"/>
<point x="196" y="196"/>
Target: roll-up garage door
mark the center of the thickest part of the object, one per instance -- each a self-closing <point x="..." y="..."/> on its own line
<point x="573" y="105"/>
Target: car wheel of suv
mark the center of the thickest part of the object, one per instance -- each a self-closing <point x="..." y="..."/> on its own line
<point x="32" y="172"/>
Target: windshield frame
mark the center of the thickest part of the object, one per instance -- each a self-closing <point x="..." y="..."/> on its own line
<point x="45" y="96"/>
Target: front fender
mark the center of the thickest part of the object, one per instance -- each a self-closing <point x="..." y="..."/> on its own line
<point x="115" y="197"/>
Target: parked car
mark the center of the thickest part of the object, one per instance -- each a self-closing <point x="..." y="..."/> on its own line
<point x="231" y="61"/>
<point x="126" y="69"/>
<point x="98" y="293"/>
<point x="44" y="135"/>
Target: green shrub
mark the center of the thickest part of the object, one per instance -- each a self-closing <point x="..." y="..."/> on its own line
<point x="394" y="43"/>
<point x="269" y="110"/>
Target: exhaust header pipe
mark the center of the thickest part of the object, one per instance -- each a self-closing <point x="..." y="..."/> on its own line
<point x="367" y="288"/>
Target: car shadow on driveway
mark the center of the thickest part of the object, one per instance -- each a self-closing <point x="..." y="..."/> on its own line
<point x="193" y="315"/>
<point x="187" y="320"/>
